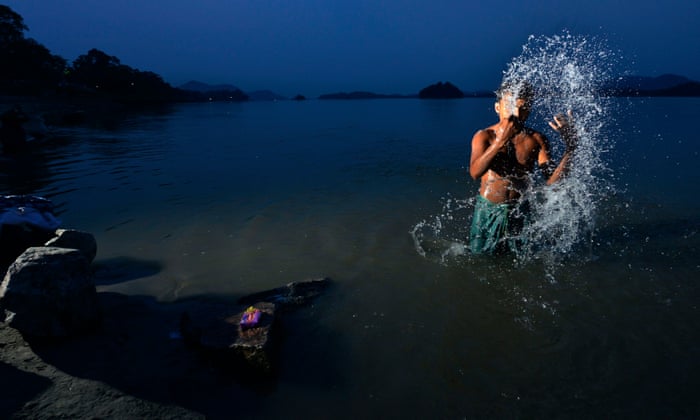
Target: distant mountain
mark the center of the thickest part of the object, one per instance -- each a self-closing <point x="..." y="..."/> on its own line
<point x="441" y="90"/>
<point x="265" y="95"/>
<point x="362" y="95"/>
<point x="685" y="89"/>
<point x="649" y="83"/>
<point x="218" y="93"/>
<point x="664" y="85"/>
<point x="222" y="89"/>
<point x="203" y="87"/>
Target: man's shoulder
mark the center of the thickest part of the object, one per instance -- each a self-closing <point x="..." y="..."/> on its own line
<point x="485" y="133"/>
<point x="483" y="137"/>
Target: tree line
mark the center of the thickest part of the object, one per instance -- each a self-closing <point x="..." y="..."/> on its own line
<point x="29" y="68"/>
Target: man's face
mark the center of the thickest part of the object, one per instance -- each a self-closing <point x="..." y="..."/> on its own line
<point x="509" y="106"/>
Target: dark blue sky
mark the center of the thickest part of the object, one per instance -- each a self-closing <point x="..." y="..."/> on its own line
<point x="386" y="46"/>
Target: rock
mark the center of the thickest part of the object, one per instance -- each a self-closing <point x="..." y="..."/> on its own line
<point x="292" y="295"/>
<point x="49" y="292"/>
<point x="15" y="239"/>
<point x="75" y="239"/>
<point x="215" y="328"/>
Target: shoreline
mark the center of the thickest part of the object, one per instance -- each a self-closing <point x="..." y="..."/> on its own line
<point x="134" y="365"/>
<point x="125" y="369"/>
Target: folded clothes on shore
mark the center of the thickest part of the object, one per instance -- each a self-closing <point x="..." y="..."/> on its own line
<point x="28" y="210"/>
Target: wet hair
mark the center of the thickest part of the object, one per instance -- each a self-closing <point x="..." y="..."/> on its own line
<point x="523" y="89"/>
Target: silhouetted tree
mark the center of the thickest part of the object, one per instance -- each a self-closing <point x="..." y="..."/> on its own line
<point x="12" y="25"/>
<point x="26" y="66"/>
<point x="97" y="70"/>
<point x="104" y="74"/>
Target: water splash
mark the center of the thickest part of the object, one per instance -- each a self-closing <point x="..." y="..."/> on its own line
<point x="442" y="237"/>
<point x="567" y="72"/>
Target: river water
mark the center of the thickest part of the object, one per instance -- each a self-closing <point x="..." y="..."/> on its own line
<point x="228" y="199"/>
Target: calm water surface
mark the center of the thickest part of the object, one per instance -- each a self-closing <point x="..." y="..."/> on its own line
<point x="229" y="199"/>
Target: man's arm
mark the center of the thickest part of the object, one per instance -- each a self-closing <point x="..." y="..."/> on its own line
<point x="562" y="125"/>
<point x="561" y="170"/>
<point x="482" y="154"/>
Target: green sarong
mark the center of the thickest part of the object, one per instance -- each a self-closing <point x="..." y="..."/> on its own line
<point x="496" y="227"/>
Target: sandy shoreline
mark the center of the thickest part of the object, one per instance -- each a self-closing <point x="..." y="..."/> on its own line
<point x="107" y="374"/>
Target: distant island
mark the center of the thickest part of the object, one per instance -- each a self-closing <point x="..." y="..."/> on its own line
<point x="624" y="86"/>
<point x="441" y="90"/>
<point x="664" y="85"/>
<point x="363" y="95"/>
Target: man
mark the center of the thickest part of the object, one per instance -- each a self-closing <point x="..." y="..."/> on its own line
<point x="504" y="156"/>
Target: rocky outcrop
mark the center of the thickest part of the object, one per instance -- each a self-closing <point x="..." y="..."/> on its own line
<point x="49" y="292"/>
<point x="75" y="239"/>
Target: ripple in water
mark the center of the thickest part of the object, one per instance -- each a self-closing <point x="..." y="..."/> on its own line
<point x="567" y="72"/>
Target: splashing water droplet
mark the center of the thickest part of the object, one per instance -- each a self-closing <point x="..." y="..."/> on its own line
<point x="567" y="73"/>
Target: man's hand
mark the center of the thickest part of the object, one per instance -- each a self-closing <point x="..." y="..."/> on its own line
<point x="564" y="125"/>
<point x="506" y="130"/>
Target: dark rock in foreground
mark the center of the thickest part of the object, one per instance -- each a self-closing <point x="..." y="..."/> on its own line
<point x="49" y="292"/>
<point x="75" y="239"/>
